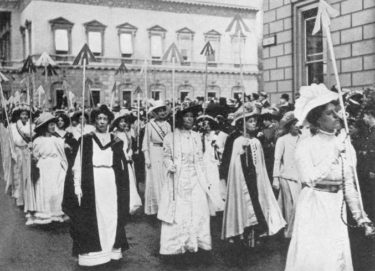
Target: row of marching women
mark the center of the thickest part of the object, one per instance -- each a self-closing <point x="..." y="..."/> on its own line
<point x="266" y="170"/>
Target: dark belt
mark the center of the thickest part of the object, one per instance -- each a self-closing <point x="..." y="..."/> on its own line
<point x="330" y="188"/>
<point x="158" y="144"/>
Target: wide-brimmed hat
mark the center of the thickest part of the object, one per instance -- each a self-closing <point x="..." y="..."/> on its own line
<point x="155" y="105"/>
<point x="123" y="114"/>
<point x="213" y="122"/>
<point x="103" y="109"/>
<point x="195" y="109"/>
<point x="310" y="98"/>
<point x="44" y="119"/>
<point x="245" y="116"/>
<point x="287" y="119"/>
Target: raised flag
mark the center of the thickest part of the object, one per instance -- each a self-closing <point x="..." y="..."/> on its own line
<point x="172" y="52"/>
<point x="208" y="50"/>
<point x="324" y="15"/>
<point x="28" y="65"/>
<point x="138" y="90"/>
<point x="122" y="68"/>
<point x="45" y="60"/>
<point x="84" y="54"/>
<point x="237" y="25"/>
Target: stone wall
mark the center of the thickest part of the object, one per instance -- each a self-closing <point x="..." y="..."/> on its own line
<point x="353" y="34"/>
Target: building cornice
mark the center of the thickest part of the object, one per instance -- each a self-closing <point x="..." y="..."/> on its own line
<point x="175" y="6"/>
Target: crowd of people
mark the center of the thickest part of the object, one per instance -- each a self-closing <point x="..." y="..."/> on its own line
<point x="268" y="169"/>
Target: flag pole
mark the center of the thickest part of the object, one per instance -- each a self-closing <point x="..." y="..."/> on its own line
<point x="83" y="115"/>
<point x="206" y="86"/>
<point x="138" y="117"/>
<point x="173" y="116"/>
<point x="341" y="100"/>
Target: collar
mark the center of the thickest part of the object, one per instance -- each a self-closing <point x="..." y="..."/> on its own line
<point x="327" y="133"/>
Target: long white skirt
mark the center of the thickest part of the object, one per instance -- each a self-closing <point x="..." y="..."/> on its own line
<point x="288" y="197"/>
<point x="106" y="213"/>
<point x="49" y="190"/>
<point x="217" y="186"/>
<point x="320" y="239"/>
<point x="154" y="177"/>
<point x="191" y="228"/>
<point x="135" y="201"/>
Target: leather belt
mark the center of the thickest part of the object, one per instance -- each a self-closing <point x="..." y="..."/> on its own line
<point x="330" y="188"/>
<point x="102" y="166"/>
<point x="157" y="144"/>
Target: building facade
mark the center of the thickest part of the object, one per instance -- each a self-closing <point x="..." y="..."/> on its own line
<point x="293" y="57"/>
<point x="134" y="32"/>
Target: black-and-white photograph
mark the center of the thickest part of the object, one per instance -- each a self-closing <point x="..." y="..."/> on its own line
<point x="187" y="135"/>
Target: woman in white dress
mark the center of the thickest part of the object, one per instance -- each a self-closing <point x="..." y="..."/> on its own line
<point x="212" y="157"/>
<point x="22" y="181"/>
<point x="184" y="209"/>
<point x="152" y="147"/>
<point x="97" y="200"/>
<point x="320" y="238"/>
<point x="120" y="127"/>
<point x="49" y="152"/>
<point x="285" y="175"/>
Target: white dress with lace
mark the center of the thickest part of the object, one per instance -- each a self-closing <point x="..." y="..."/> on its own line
<point x="191" y="227"/>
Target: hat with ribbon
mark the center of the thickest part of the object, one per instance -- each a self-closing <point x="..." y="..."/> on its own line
<point x="310" y="98"/>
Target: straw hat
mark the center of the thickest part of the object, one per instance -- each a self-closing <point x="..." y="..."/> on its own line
<point x="124" y="113"/>
<point x="44" y="119"/>
<point x="312" y="97"/>
<point x="157" y="104"/>
<point x="242" y="116"/>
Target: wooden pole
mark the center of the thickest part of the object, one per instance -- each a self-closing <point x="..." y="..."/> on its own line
<point x="341" y="100"/>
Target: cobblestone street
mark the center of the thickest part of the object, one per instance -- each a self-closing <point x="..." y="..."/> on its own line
<point x="49" y="248"/>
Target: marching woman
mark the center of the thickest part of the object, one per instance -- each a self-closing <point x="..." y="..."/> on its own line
<point x="212" y="157"/>
<point x="62" y="123"/>
<point x="320" y="238"/>
<point x="22" y="187"/>
<point x="184" y="207"/>
<point x="76" y="130"/>
<point x="285" y="175"/>
<point x="251" y="209"/>
<point x="52" y="165"/>
<point x="97" y="200"/>
<point x="152" y="147"/>
<point x="121" y="128"/>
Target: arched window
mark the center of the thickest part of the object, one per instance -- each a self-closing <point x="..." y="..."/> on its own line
<point x="237" y="91"/>
<point x="213" y="91"/>
<point x="185" y="90"/>
<point x="158" y="91"/>
<point x="126" y="91"/>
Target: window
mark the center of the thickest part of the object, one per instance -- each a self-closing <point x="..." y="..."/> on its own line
<point x="126" y="34"/>
<point x="5" y="30"/>
<point x="158" y="91"/>
<point x="61" y="29"/>
<point x="95" y="37"/>
<point x="309" y="50"/>
<point x="236" y="49"/>
<point x="185" y="90"/>
<point x="237" y="91"/>
<point x="156" y="47"/>
<point x="185" y="43"/>
<point x="214" y="38"/>
<point x="126" y="90"/>
<point x="95" y="97"/>
<point x="313" y="49"/>
<point x="157" y="36"/>
<point x="213" y="90"/>
<point x="95" y="42"/>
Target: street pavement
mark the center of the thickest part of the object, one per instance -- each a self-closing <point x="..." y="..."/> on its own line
<point x="48" y="247"/>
